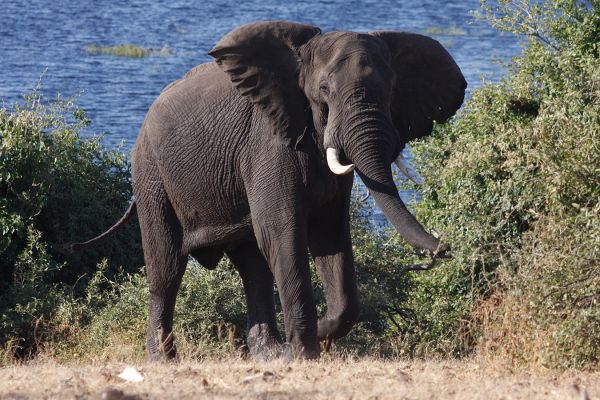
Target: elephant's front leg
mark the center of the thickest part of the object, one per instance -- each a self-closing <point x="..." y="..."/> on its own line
<point x="281" y="237"/>
<point x="339" y="282"/>
<point x="331" y="246"/>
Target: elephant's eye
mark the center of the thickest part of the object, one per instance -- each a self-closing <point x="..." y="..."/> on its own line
<point x="324" y="88"/>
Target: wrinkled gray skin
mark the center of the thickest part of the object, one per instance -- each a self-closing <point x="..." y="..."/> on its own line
<point x="230" y="160"/>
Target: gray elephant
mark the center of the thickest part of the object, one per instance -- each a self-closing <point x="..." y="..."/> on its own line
<point x="251" y="156"/>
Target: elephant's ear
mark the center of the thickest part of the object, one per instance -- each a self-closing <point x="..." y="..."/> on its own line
<point x="429" y="85"/>
<point x="261" y="60"/>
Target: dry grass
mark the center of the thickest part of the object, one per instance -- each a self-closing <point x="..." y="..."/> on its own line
<point x="122" y="50"/>
<point x="325" y="379"/>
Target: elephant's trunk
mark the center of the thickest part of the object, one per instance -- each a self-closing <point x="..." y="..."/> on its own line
<point x="377" y="176"/>
<point x="371" y="150"/>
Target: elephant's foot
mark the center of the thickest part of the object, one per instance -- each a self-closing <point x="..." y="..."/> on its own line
<point x="161" y="347"/>
<point x="264" y="342"/>
<point x="337" y="325"/>
<point x="294" y="352"/>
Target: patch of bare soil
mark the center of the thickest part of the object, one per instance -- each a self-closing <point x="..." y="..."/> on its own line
<point x="325" y="379"/>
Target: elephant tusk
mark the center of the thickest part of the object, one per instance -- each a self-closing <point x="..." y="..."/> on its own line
<point x="408" y="170"/>
<point x="333" y="161"/>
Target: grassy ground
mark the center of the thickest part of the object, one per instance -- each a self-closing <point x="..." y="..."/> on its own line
<point x="331" y="378"/>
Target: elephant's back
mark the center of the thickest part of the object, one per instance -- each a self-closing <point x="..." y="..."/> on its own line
<point x="197" y="109"/>
<point x="195" y="132"/>
<point x="208" y="71"/>
<point x="201" y="92"/>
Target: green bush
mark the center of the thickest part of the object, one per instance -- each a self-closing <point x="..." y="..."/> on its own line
<point x="513" y="182"/>
<point x="55" y="188"/>
<point x="29" y="302"/>
<point x="210" y="315"/>
<point x="68" y="188"/>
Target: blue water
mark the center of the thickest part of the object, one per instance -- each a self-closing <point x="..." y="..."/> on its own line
<point x="50" y="36"/>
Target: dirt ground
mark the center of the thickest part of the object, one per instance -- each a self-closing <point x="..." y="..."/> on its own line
<point x="325" y="379"/>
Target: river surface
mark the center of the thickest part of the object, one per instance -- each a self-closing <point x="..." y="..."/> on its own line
<point x="40" y="37"/>
<point x="50" y="36"/>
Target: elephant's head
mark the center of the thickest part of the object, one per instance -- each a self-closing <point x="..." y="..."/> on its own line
<point x="367" y="95"/>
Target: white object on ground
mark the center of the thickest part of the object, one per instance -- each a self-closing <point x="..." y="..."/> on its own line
<point x="130" y="374"/>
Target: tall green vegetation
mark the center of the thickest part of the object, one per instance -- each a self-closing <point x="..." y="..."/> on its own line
<point x="512" y="183"/>
<point x="55" y="188"/>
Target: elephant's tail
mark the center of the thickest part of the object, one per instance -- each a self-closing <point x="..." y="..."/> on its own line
<point x="78" y="246"/>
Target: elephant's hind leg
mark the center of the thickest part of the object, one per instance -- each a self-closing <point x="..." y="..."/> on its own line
<point x="264" y="341"/>
<point x="162" y="238"/>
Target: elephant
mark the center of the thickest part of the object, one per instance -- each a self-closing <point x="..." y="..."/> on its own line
<point x="253" y="155"/>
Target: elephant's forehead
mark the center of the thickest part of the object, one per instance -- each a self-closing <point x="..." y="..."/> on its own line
<point x="342" y="45"/>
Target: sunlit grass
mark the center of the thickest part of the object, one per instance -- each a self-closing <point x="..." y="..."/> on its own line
<point x="445" y="31"/>
<point x="128" y="50"/>
<point x="121" y="50"/>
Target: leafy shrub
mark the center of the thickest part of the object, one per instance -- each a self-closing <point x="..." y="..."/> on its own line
<point x="68" y="188"/>
<point x="513" y="183"/>
<point x="55" y="188"/>
<point x="29" y="302"/>
<point x="210" y="315"/>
